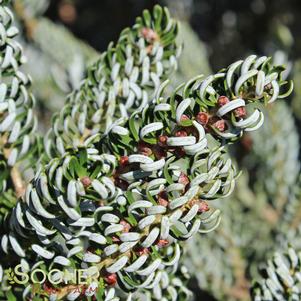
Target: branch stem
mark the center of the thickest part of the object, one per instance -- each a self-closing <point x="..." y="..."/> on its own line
<point x="16" y="177"/>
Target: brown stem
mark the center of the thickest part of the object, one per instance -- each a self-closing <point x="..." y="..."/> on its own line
<point x="17" y="181"/>
<point x="29" y="23"/>
<point x="16" y="177"/>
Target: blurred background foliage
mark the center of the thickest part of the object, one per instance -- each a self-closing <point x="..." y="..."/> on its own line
<point x="264" y="213"/>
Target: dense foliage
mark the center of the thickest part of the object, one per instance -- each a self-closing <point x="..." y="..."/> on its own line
<point x="137" y="179"/>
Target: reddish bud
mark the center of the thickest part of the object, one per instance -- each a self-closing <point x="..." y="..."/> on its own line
<point x="162" y="243"/>
<point x="202" y="118"/>
<point x="220" y="125"/>
<point x="203" y="207"/>
<point x="162" y="202"/>
<point x="184" y="117"/>
<point x="67" y="12"/>
<point x="111" y="279"/>
<point x="183" y="179"/>
<point x="240" y="112"/>
<point x="144" y="148"/>
<point x="162" y="140"/>
<point x="126" y="226"/>
<point x="181" y="133"/>
<point x="222" y="100"/>
<point x="142" y="251"/>
<point x="149" y="34"/>
<point x="124" y="160"/>
<point x="86" y="181"/>
<point x="115" y="239"/>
